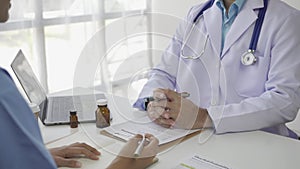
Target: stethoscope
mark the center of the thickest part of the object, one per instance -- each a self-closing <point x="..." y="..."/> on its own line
<point x="248" y="58"/>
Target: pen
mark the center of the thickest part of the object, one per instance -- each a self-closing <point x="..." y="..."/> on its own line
<point x="140" y="147"/>
<point x="183" y="94"/>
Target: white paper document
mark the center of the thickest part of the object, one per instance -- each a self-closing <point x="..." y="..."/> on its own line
<point x="196" y="162"/>
<point x="144" y="125"/>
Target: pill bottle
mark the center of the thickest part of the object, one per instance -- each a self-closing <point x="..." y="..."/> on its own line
<point x="73" y="119"/>
<point x="35" y="110"/>
<point x="102" y="114"/>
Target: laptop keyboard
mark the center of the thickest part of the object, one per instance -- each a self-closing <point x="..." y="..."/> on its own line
<point x="59" y="107"/>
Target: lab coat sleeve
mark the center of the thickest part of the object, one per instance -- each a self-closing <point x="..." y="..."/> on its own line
<point x="280" y="101"/>
<point x="164" y="74"/>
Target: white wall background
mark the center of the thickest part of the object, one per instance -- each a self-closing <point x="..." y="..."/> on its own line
<point x="179" y="8"/>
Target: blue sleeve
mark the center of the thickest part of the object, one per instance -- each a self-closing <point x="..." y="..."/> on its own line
<point x="21" y="144"/>
<point x="140" y="104"/>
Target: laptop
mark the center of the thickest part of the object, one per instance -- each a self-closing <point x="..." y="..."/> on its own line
<point x="55" y="109"/>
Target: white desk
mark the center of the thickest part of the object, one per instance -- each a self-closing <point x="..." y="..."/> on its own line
<point x="249" y="150"/>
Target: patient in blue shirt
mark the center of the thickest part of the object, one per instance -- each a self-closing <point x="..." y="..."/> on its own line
<point x="20" y="134"/>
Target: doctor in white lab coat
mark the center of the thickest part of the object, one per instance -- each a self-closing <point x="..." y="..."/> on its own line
<point x="224" y="93"/>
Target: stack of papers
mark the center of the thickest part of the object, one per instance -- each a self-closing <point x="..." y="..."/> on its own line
<point x="127" y="130"/>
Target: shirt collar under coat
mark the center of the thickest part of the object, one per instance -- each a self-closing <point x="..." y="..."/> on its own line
<point x="213" y="21"/>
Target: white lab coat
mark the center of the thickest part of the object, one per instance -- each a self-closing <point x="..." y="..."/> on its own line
<point x="265" y="95"/>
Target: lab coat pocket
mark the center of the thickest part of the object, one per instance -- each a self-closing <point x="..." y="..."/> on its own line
<point x="250" y="80"/>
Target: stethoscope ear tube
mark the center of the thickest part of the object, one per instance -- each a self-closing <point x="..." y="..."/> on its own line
<point x="184" y="44"/>
<point x="195" y="22"/>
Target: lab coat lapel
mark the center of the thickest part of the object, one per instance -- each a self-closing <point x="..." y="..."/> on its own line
<point x="243" y="21"/>
<point x="213" y="22"/>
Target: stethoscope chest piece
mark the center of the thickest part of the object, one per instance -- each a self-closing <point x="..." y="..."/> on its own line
<point x="248" y="58"/>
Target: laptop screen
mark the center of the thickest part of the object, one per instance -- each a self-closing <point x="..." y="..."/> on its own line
<point x="28" y="80"/>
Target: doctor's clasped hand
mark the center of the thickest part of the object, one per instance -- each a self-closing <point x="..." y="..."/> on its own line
<point x="171" y="109"/>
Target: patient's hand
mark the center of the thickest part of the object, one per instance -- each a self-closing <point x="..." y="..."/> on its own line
<point x="62" y="155"/>
<point x="126" y="158"/>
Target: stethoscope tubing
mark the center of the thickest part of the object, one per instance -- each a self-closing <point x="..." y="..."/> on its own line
<point x="206" y="6"/>
<point x="255" y="34"/>
<point x="258" y="26"/>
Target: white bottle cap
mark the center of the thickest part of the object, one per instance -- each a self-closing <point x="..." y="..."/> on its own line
<point x="102" y="102"/>
<point x="34" y="107"/>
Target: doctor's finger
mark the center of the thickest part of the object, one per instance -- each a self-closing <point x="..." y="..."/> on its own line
<point x="168" y="105"/>
<point x="155" y="106"/>
<point x="159" y="94"/>
<point x="158" y="112"/>
<point x="167" y="123"/>
<point x="155" y="112"/>
<point x="153" y="115"/>
<point x="160" y="103"/>
<point x="167" y="93"/>
<point x="172" y="95"/>
<point x="170" y="114"/>
<point x="157" y="109"/>
<point x="171" y="107"/>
